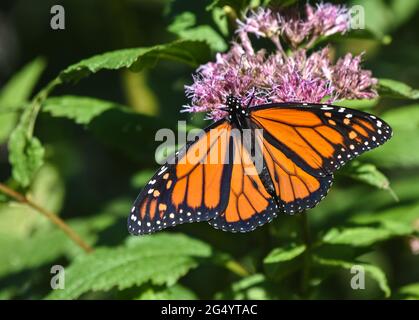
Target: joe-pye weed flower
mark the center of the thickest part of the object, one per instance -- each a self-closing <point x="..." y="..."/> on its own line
<point x="293" y="72"/>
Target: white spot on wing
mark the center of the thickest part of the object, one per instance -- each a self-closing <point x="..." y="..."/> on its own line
<point x="163" y="169"/>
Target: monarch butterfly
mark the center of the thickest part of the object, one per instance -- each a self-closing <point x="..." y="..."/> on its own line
<point x="301" y="145"/>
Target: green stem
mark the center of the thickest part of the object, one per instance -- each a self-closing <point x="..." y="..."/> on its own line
<point x="236" y="268"/>
<point x="31" y="114"/>
<point x="305" y="232"/>
<point x="228" y="262"/>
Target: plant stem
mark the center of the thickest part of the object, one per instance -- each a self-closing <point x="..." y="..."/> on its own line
<point x="236" y="268"/>
<point x="49" y="215"/>
<point x="305" y="231"/>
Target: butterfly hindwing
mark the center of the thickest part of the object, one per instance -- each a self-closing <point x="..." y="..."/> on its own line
<point x="295" y="189"/>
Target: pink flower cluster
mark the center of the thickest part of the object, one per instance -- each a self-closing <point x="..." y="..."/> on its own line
<point x="296" y="76"/>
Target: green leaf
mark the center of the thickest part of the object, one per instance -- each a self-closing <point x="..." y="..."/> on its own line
<point x="16" y="93"/>
<point x="221" y="20"/>
<point x="367" y="173"/>
<point x="114" y="124"/>
<point x="399" y="219"/>
<point x="404" y="118"/>
<point x="19" y="220"/>
<point x="43" y="243"/>
<point x="48" y="243"/>
<point x="374" y="272"/>
<point x="26" y="156"/>
<point x="279" y="255"/>
<point x="18" y="253"/>
<point x="19" y="88"/>
<point x="184" y="27"/>
<point x="140" y="179"/>
<point x="362" y="236"/>
<point x="189" y="52"/>
<point x="358" y="104"/>
<point x="175" y="292"/>
<point x="283" y="261"/>
<point x="81" y="110"/>
<point x="253" y="287"/>
<point x="398" y="152"/>
<point x="160" y="259"/>
<point x="182" y="22"/>
<point x="131" y="133"/>
<point x="396" y="89"/>
<point x="410" y="291"/>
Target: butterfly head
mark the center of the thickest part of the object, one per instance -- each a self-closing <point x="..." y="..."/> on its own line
<point x="233" y="103"/>
<point x="236" y="112"/>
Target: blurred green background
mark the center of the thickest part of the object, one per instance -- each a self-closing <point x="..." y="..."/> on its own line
<point x="95" y="168"/>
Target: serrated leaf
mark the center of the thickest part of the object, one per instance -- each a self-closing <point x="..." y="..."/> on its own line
<point x="282" y="254"/>
<point x="160" y="259"/>
<point x="396" y="89"/>
<point x="26" y="156"/>
<point x="175" y="292"/>
<point x="81" y="110"/>
<point x="184" y="27"/>
<point x="15" y="94"/>
<point x="189" y="52"/>
<point x="374" y="272"/>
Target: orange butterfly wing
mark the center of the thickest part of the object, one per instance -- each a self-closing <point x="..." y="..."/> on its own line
<point x="188" y="190"/>
<point x="303" y="145"/>
<point x="249" y="204"/>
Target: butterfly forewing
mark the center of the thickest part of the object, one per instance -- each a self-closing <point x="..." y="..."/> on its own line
<point x="320" y="138"/>
<point x="188" y="189"/>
